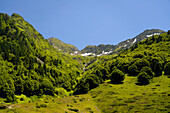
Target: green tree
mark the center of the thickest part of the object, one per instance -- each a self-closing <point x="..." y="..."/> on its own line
<point x="47" y="87"/>
<point x="158" y="69"/>
<point x="143" y="78"/>
<point x="133" y="70"/>
<point x="167" y="69"/>
<point x="88" y="82"/>
<point x="140" y="63"/>
<point x="148" y="70"/>
<point x="28" y="87"/>
<point x="19" y="85"/>
<point x="117" y="76"/>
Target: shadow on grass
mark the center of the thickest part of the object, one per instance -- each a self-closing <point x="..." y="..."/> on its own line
<point x="141" y="84"/>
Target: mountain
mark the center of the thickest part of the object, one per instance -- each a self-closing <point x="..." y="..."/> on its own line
<point x="61" y="46"/>
<point x="111" y="49"/>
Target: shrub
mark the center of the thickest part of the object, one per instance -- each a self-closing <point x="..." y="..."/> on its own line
<point x="143" y="78"/>
<point x="167" y="69"/>
<point x="158" y="69"/>
<point x="61" y="92"/>
<point x="133" y="70"/>
<point x="148" y="70"/>
<point x="93" y="81"/>
<point x="117" y="76"/>
<point x="140" y="63"/>
<point x="88" y="82"/>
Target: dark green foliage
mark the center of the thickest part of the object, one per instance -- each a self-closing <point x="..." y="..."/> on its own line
<point x="47" y="87"/>
<point x="143" y="78"/>
<point x="148" y="70"/>
<point x="90" y="81"/>
<point x="140" y="63"/>
<point x="117" y="76"/>
<point x="158" y="69"/>
<point x="133" y="70"/>
<point x="101" y="72"/>
<point x="168" y="32"/>
<point x="167" y="69"/>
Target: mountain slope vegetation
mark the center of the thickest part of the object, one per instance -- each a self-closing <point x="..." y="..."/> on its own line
<point x="29" y="63"/>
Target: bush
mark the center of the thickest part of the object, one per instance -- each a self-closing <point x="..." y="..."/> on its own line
<point x="89" y="81"/>
<point x="143" y="78"/>
<point x="61" y="92"/>
<point x="158" y="69"/>
<point x="140" y="63"/>
<point x="117" y="76"/>
<point x="167" y="69"/>
<point x="133" y="70"/>
<point x="148" y="70"/>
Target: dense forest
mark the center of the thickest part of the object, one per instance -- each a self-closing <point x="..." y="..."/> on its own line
<point x="30" y="65"/>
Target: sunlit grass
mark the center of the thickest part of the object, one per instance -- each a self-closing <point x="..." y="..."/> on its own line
<point x="129" y="97"/>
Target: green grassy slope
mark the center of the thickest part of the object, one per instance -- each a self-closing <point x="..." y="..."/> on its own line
<point x="129" y="97"/>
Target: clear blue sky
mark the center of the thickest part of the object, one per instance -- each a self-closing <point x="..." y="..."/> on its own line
<point x="91" y="22"/>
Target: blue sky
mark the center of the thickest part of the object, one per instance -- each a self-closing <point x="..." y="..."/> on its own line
<point x="91" y="22"/>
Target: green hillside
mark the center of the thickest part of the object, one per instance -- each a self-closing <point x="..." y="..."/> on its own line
<point x="29" y="64"/>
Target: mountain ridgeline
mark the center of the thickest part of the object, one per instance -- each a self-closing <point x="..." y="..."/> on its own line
<point x="111" y="49"/>
<point x="103" y="49"/>
<point x="32" y="65"/>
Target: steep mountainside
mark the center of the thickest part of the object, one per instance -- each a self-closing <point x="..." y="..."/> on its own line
<point x="29" y="64"/>
<point x="111" y="49"/>
<point x="61" y="46"/>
